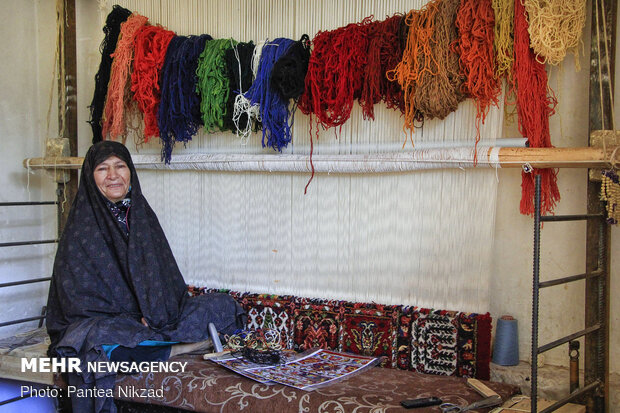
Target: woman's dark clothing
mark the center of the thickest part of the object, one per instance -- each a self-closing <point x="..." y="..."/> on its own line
<point x="105" y="280"/>
<point x="140" y="353"/>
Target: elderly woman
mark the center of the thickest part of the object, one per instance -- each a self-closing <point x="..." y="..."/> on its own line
<point x="116" y="291"/>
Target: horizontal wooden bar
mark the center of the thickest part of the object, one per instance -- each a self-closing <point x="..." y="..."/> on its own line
<point x="504" y="157"/>
<point x="587" y="157"/>
<point x="568" y="338"/>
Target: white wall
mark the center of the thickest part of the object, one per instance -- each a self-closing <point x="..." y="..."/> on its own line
<point x="27" y="30"/>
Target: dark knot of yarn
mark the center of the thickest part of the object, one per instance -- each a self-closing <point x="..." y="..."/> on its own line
<point x="112" y="30"/>
<point x="239" y="82"/>
<point x="289" y="72"/>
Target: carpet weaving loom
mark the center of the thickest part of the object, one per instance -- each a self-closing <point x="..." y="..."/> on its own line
<point x="371" y="237"/>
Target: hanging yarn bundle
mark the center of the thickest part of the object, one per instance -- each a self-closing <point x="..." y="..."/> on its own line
<point x="239" y="64"/>
<point x="289" y="71"/>
<point x="150" y="48"/>
<point x="504" y="17"/>
<point x="112" y="30"/>
<point x="438" y="90"/>
<point x="118" y="101"/>
<point x="420" y="28"/>
<point x="275" y="114"/>
<point x="475" y="22"/>
<point x="384" y="52"/>
<point x="335" y="73"/>
<point x="243" y="109"/>
<point x="179" y="116"/>
<point x="213" y="84"/>
<point x="555" y="27"/>
<point x="534" y="107"/>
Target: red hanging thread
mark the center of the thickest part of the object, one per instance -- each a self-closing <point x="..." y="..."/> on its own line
<point x="118" y="99"/>
<point x="335" y="73"/>
<point x="150" y="47"/>
<point x="335" y="76"/>
<point x="384" y="53"/>
<point x="534" y="107"/>
<point x="475" y="22"/>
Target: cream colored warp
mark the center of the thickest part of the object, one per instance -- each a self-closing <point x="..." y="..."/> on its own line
<point x="421" y="238"/>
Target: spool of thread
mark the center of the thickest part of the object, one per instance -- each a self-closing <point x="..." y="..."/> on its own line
<point x="506" y="349"/>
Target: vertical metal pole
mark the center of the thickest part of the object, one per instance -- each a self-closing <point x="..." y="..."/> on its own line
<point x="535" y="298"/>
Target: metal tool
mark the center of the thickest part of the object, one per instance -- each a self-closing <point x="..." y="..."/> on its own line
<point x="494" y="400"/>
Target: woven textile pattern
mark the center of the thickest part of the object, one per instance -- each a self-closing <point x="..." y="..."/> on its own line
<point x="317" y="324"/>
<point x="434" y="344"/>
<point x="437" y="342"/>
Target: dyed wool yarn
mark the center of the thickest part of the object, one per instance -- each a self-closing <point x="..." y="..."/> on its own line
<point x="213" y="84"/>
<point x="179" y="116"/>
<point x="289" y="71"/>
<point x="335" y="73"/>
<point x="112" y="30"/>
<point x="555" y="26"/>
<point x="504" y="54"/>
<point x="475" y="22"/>
<point x="438" y="90"/>
<point x="416" y="58"/>
<point x="239" y="65"/>
<point x="150" y="48"/>
<point x="243" y="109"/>
<point x="534" y="107"/>
<point x="275" y="114"/>
<point x="119" y="98"/>
<point x="384" y="52"/>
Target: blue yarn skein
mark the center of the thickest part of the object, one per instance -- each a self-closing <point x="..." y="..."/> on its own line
<point x="275" y="113"/>
<point x="179" y="116"/>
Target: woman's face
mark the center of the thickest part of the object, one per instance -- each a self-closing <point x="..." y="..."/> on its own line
<point x="113" y="177"/>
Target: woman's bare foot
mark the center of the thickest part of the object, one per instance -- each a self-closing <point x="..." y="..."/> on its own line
<point x="201" y="346"/>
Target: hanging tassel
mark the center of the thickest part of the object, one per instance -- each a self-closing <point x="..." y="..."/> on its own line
<point x="118" y="101"/>
<point x="503" y="39"/>
<point x="213" y="84"/>
<point x="239" y="64"/>
<point x="243" y="109"/>
<point x="179" y="116"/>
<point x="385" y="51"/>
<point x="555" y="27"/>
<point x="335" y="73"/>
<point x="534" y="107"/>
<point x="420" y="27"/>
<point x="150" y="48"/>
<point x="112" y="30"/>
<point x="438" y="90"/>
<point x="475" y="22"/>
<point x="275" y="115"/>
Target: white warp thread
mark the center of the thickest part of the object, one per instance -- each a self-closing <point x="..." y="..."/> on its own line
<point x="423" y="238"/>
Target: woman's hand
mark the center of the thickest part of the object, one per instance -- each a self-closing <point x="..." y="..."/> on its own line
<point x="143" y="321"/>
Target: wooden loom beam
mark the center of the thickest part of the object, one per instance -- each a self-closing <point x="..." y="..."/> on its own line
<point x="67" y="101"/>
<point x="589" y="157"/>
